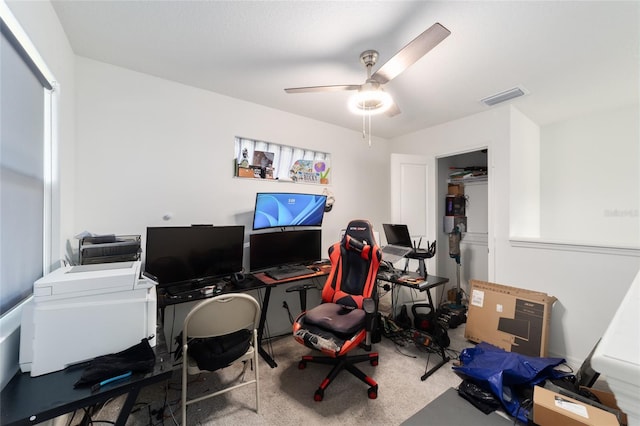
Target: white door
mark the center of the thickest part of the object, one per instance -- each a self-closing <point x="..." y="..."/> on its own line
<point x="411" y="176"/>
<point x="413" y="203"/>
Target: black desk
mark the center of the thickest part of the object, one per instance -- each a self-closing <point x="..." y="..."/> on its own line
<point x="411" y="280"/>
<point x="269" y="283"/>
<point x="415" y="281"/>
<point x="256" y="281"/>
<point x="27" y="400"/>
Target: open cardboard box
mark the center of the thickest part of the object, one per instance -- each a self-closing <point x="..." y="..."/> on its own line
<point x="552" y="408"/>
<point x="514" y="319"/>
<point x="608" y="399"/>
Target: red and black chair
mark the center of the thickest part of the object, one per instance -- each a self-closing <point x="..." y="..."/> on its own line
<point x="345" y="318"/>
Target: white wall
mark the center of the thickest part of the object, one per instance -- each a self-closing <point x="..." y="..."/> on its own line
<point x="148" y="146"/>
<point x="588" y="282"/>
<point x="524" y="180"/>
<point x="590" y="180"/>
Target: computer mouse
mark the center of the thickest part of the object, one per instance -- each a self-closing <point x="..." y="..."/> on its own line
<point x="315" y="268"/>
<point x="394" y="277"/>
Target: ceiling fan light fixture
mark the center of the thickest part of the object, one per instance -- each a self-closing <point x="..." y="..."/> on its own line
<point x="370" y="102"/>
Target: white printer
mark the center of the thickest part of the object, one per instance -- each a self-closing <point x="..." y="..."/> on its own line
<point x="80" y="312"/>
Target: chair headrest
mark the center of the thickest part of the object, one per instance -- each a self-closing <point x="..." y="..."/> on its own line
<point x="362" y="231"/>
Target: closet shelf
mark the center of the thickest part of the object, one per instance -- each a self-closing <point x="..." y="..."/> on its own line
<point x="468" y="179"/>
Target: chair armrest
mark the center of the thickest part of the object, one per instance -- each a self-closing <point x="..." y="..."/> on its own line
<point x="370" y="310"/>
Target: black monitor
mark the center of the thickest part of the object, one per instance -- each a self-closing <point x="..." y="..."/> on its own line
<point x="270" y="249"/>
<point x="398" y="235"/>
<point x="586" y="376"/>
<point x="285" y="209"/>
<point x="193" y="253"/>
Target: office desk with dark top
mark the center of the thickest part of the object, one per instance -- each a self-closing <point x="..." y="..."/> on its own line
<point x="415" y="281"/>
<point x="27" y="400"/>
<point x="412" y="280"/>
<point x="255" y="281"/>
<point x="268" y="283"/>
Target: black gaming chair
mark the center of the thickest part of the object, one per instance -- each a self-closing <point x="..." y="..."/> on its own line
<point x="345" y="318"/>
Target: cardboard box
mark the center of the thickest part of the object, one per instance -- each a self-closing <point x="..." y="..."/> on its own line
<point x="455" y="189"/>
<point x="514" y="319"/>
<point x="245" y="172"/>
<point x="608" y="399"/>
<point x="249" y="172"/>
<point x="552" y="409"/>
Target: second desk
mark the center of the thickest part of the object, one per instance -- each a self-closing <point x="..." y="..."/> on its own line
<point x="415" y="281"/>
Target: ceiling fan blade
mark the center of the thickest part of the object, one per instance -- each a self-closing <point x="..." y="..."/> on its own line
<point x="393" y="110"/>
<point x="335" y="88"/>
<point x="409" y="54"/>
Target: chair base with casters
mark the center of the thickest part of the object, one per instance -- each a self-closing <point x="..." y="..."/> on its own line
<point x="335" y="346"/>
<point x="215" y="318"/>
<point x="343" y="363"/>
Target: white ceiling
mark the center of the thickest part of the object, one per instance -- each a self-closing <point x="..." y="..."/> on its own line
<point x="573" y="57"/>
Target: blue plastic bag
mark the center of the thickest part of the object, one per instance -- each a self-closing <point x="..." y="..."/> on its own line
<point x="507" y="373"/>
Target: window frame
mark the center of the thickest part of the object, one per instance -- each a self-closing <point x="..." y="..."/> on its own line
<point x="10" y="321"/>
<point x="284" y="157"/>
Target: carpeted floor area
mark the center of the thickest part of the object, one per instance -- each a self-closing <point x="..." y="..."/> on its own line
<point x="286" y="392"/>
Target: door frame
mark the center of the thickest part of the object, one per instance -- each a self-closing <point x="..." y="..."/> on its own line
<point x="490" y="200"/>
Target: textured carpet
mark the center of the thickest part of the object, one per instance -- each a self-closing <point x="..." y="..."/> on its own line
<point x="286" y="393"/>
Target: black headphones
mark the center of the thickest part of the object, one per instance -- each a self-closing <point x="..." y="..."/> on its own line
<point x="237" y="278"/>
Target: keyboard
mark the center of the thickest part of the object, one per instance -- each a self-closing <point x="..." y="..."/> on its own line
<point x="289" y="271"/>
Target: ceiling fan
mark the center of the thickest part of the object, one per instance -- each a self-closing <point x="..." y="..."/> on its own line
<point x="371" y="97"/>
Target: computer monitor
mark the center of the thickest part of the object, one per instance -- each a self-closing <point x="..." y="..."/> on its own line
<point x="270" y="249"/>
<point x="193" y="253"/>
<point x="287" y="209"/>
<point x="586" y="375"/>
<point x="397" y="235"/>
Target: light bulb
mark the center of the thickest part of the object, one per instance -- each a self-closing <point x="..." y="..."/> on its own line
<point x="370" y="102"/>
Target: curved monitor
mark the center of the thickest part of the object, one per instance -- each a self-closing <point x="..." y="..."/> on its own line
<point x="282" y="209"/>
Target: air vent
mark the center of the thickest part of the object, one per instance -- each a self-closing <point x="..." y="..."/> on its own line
<point x="504" y="96"/>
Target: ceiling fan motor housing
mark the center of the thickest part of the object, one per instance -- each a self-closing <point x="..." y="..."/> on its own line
<point x="369" y="58"/>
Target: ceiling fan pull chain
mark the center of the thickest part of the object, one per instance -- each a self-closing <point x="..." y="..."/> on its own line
<point x="364" y="132"/>
<point x="369" y="130"/>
